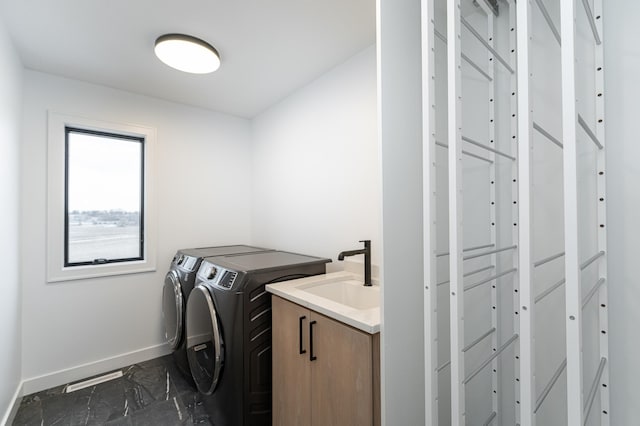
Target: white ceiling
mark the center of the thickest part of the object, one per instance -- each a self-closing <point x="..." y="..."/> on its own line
<point x="269" y="48"/>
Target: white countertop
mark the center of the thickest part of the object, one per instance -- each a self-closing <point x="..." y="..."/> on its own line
<point x="367" y="320"/>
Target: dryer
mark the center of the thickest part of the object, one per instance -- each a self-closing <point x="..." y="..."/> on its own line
<point x="178" y="284"/>
<point x="229" y="331"/>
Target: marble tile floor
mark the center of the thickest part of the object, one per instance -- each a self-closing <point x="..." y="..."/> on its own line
<point x="152" y="393"/>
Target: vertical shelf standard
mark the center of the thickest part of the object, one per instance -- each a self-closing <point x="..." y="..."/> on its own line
<point x="456" y="287"/>
<point x="429" y="212"/>
<point x="603" y="299"/>
<point x="525" y="373"/>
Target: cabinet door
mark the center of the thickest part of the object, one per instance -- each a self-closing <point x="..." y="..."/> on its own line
<point x="291" y="373"/>
<point x="341" y="374"/>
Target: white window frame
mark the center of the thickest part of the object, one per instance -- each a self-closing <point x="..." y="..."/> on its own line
<point x="56" y="271"/>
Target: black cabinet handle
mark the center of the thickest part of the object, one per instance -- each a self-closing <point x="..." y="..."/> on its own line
<point x="302" y="349"/>
<point x="312" y="357"/>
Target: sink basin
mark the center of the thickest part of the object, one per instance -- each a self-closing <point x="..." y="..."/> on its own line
<point x="351" y="293"/>
<point x="338" y="295"/>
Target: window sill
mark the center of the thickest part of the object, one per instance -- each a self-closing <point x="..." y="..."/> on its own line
<point x="98" y="271"/>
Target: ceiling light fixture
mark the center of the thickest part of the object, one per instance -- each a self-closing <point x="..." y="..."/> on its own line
<point x="187" y="53"/>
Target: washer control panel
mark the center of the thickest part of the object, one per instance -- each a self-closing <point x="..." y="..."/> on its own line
<point x="217" y="276"/>
<point x="227" y="279"/>
<point x="188" y="263"/>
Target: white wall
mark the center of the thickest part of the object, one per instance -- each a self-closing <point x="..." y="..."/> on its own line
<point x="10" y="305"/>
<point x="622" y="92"/>
<point x="315" y="165"/>
<point x="202" y="196"/>
<point x="400" y="127"/>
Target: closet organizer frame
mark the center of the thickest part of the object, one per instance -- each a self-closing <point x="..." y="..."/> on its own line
<point x="457" y="254"/>
<point x="577" y="130"/>
<point x="579" y="402"/>
<point x="580" y="398"/>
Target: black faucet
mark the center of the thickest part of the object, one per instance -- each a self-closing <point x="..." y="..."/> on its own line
<point x="367" y="259"/>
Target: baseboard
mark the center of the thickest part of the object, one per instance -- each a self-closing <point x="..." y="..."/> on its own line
<point x="61" y="377"/>
<point x="12" y="409"/>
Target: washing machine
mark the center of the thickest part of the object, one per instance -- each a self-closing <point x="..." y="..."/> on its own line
<point x="178" y="284"/>
<point x="229" y="332"/>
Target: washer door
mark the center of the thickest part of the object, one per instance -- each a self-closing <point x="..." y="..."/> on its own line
<point x="205" y="349"/>
<point x="173" y="309"/>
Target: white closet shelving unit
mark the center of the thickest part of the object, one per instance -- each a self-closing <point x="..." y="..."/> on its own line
<point x="514" y="201"/>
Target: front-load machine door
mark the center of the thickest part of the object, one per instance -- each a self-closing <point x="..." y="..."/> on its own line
<point x="173" y="309"/>
<point x="204" y="340"/>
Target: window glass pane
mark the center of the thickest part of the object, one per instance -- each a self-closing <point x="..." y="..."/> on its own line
<point x="104" y="198"/>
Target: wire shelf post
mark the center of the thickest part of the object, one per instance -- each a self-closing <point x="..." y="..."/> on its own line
<point x="603" y="298"/>
<point x="526" y="304"/>
<point x="516" y="197"/>
<point x="456" y="288"/>
<point x="496" y="372"/>
<point x="573" y="300"/>
<point x="429" y="212"/>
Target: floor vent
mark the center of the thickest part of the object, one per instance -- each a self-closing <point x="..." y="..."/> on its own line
<point x="95" y="381"/>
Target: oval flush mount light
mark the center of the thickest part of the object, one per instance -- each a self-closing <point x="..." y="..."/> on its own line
<point x="187" y="53"/>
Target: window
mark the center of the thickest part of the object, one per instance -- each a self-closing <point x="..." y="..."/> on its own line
<point x="104" y="181"/>
<point x="100" y="201"/>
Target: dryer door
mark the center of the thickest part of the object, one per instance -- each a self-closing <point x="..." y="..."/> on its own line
<point x="173" y="309"/>
<point x="204" y="340"/>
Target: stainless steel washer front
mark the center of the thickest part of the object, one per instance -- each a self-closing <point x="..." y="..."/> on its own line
<point x="173" y="309"/>
<point x="204" y="340"/>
